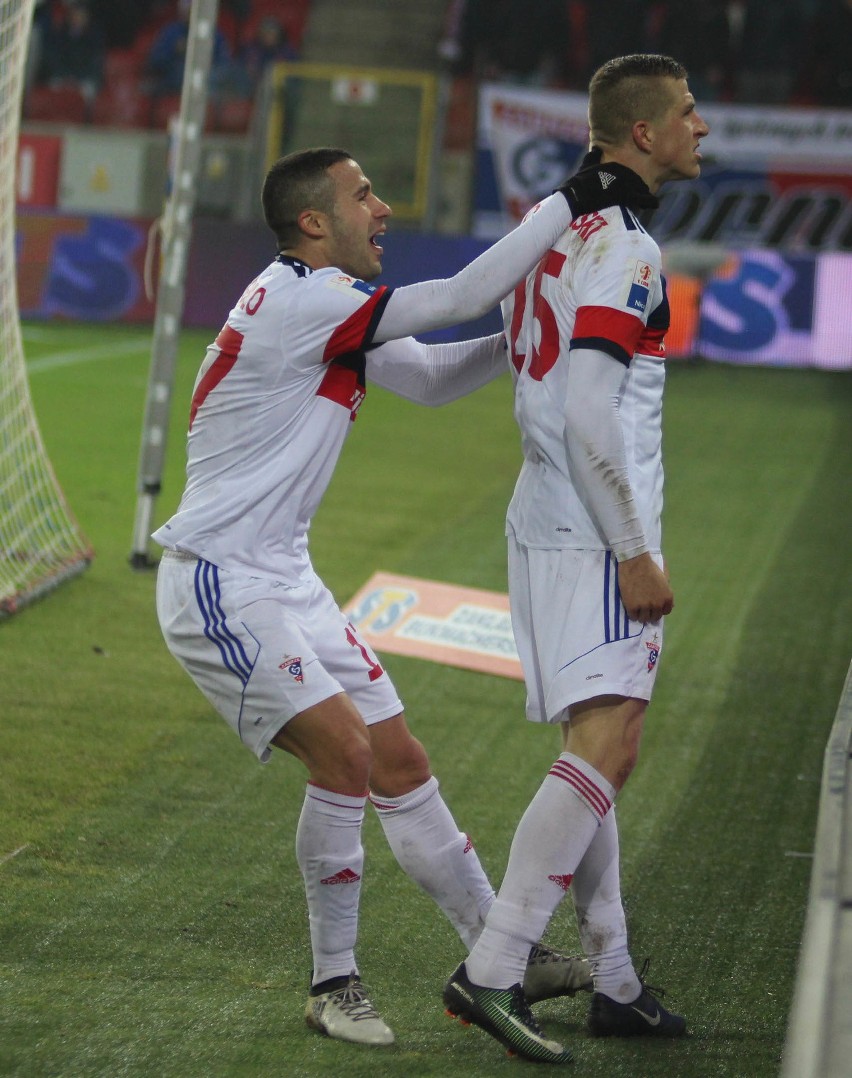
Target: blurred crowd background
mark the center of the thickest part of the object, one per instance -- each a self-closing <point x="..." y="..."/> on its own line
<point x="121" y="61"/>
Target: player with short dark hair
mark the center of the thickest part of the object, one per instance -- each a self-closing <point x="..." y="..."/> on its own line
<point x="587" y="585"/>
<point x="238" y="600"/>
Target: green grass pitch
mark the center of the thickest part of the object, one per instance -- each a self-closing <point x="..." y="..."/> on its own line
<point x="151" y="910"/>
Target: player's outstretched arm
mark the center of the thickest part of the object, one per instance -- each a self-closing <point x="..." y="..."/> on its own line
<point x="481" y="285"/>
<point x="435" y="374"/>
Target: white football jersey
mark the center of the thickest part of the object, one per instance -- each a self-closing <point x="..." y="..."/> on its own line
<point x="272" y="405"/>
<point x="600" y="287"/>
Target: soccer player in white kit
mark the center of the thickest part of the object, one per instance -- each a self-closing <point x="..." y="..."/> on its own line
<point x="239" y="603"/>
<point x="588" y="588"/>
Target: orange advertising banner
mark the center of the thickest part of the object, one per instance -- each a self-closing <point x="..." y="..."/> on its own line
<point x="466" y="627"/>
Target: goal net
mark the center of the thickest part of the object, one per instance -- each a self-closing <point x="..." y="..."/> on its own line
<point x="40" y="543"/>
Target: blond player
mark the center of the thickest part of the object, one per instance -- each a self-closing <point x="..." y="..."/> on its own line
<point x="587" y="585"/>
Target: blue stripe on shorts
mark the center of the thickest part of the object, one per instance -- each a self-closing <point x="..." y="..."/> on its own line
<point x="208" y="594"/>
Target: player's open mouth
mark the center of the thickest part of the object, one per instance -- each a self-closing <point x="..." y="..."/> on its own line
<point x="375" y="244"/>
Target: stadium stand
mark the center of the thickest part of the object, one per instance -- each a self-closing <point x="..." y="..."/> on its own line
<point x="437" y="36"/>
<point x="58" y="104"/>
<point x="126" y="98"/>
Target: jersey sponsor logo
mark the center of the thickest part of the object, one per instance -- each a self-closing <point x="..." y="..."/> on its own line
<point x="293" y="666"/>
<point x="343" y="282"/>
<point x="652" y="343"/>
<point x="588" y="225"/>
<point x="653" y="647"/>
<point x="640" y="287"/>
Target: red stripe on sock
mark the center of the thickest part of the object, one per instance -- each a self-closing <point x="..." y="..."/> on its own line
<point x="594" y="797"/>
<point x="590" y="790"/>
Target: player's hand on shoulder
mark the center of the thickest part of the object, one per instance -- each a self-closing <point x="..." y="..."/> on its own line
<point x="596" y="186"/>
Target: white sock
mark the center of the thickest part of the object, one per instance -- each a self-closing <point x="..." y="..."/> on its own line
<point x="600" y="915"/>
<point x="331" y="858"/>
<point x="554" y="833"/>
<point x="428" y="845"/>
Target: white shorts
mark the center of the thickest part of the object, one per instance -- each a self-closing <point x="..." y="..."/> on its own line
<point x="572" y="632"/>
<point x="261" y="652"/>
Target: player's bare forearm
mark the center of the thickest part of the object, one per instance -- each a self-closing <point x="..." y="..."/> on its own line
<point x="645" y="591"/>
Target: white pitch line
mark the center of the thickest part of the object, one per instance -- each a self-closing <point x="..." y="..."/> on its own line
<point x="91" y="354"/>
<point x="14" y="853"/>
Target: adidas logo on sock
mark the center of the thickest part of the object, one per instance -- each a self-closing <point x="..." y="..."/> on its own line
<point x="606" y="179"/>
<point x="345" y="875"/>
<point x="561" y="881"/>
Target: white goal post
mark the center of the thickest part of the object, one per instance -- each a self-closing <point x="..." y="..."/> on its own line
<point x="176" y="230"/>
<point x="40" y="542"/>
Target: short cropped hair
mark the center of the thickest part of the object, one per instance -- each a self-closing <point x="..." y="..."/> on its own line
<point x="299" y="181"/>
<point x="627" y="89"/>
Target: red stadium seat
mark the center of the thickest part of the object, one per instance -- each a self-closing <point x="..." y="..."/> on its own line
<point x="163" y="108"/>
<point x="233" y="115"/>
<point x="121" y="103"/>
<point x="63" y="104"/>
<point x="123" y="64"/>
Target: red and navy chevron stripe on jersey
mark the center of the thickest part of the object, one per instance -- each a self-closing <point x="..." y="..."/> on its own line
<point x="344" y="383"/>
<point x="615" y="332"/>
<point x="229" y="343"/>
<point x="358" y="329"/>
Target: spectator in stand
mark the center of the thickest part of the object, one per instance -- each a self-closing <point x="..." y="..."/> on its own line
<point x="74" y="51"/>
<point x="167" y="56"/>
<point x="830" y="67"/>
<point x="616" y="28"/>
<point x="700" y="37"/>
<point x="267" y="45"/>
<point x="121" y="20"/>
<point x="514" y="41"/>
<point x="766" y="45"/>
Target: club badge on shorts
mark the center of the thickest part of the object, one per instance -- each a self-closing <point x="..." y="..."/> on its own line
<point x="653" y="647"/>
<point x="294" y="668"/>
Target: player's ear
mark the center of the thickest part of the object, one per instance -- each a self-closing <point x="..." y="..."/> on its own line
<point x="643" y="136"/>
<point x="313" y="223"/>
